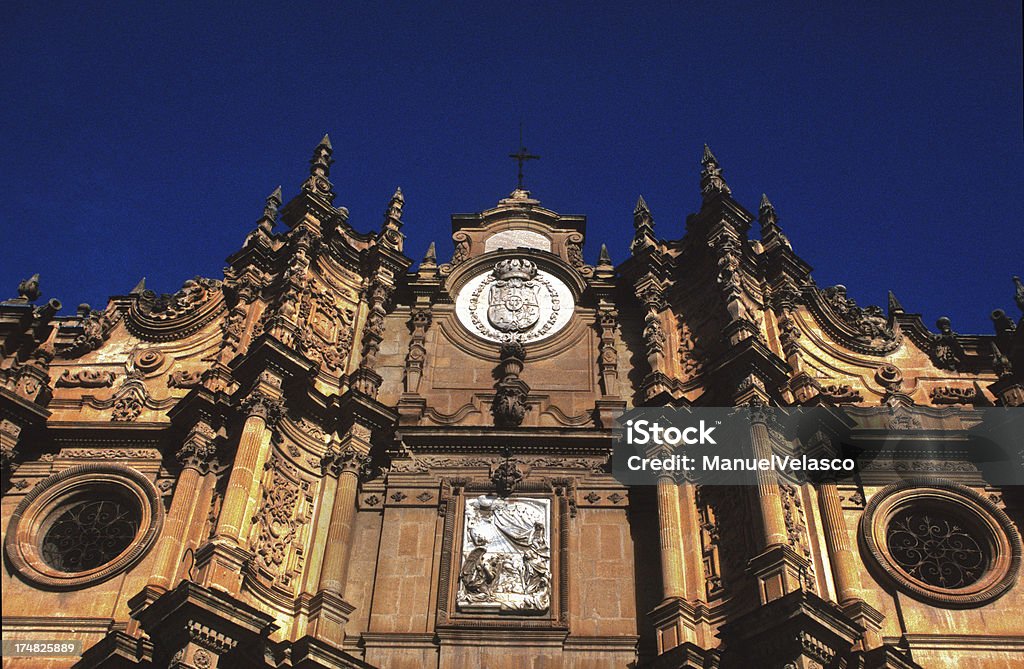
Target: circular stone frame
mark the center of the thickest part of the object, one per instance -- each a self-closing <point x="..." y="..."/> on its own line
<point x="30" y="519"/>
<point x="998" y="536"/>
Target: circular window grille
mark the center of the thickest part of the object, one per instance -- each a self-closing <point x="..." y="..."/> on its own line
<point x="942" y="543"/>
<point x="83" y="525"/>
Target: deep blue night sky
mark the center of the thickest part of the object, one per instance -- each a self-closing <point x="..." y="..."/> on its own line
<point x="141" y="139"/>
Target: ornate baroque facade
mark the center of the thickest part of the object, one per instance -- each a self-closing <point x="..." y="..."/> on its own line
<point x="327" y="458"/>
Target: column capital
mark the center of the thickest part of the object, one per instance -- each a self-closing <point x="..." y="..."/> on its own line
<point x="259" y="404"/>
<point x="340" y="458"/>
<point x="199" y="448"/>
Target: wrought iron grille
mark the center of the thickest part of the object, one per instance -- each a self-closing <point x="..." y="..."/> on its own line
<point x="936" y="551"/>
<point x="88" y="534"/>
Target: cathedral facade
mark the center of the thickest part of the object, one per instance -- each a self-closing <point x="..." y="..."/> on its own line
<point x="333" y="456"/>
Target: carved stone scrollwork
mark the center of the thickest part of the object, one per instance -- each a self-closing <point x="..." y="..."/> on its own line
<point x="86" y="378"/>
<point x="953" y="395"/>
<point x="461" y="254"/>
<point x="277" y="521"/>
<point x="864" y="329"/>
<point x="268" y="408"/>
<point x="183" y="378"/>
<point x="841" y="394"/>
<point x="574" y="254"/>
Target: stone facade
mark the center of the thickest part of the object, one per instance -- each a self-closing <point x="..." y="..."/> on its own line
<point x="328" y="459"/>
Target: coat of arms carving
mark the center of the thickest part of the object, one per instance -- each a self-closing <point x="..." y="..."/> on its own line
<point x="513" y="303"/>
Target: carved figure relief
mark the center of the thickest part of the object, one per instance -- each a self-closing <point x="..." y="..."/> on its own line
<point x="506" y="555"/>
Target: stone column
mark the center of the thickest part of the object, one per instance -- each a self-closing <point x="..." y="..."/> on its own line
<point x="692" y="551"/>
<point x="195" y="456"/>
<point x="673" y="586"/>
<point x="844" y="569"/>
<point x="675" y="618"/>
<point x="768" y="496"/>
<point x="341" y="462"/>
<point x="262" y="412"/>
<point x="778" y="567"/>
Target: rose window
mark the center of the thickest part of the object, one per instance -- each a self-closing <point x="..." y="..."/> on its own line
<point x="940" y="542"/>
<point x="938" y="551"/>
<point x="89" y="533"/>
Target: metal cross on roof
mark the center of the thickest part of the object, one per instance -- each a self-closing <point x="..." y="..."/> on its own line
<point x="521" y="156"/>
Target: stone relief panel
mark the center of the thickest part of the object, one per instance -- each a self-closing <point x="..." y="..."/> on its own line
<point x="506" y="555"/>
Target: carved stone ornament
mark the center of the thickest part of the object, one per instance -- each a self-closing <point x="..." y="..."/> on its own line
<point x="148" y="361"/>
<point x="954" y="395"/>
<point x="946" y="350"/>
<point x="337" y="460"/>
<point x="173" y="316"/>
<point x="516" y="300"/>
<point x="93" y="328"/>
<point x="506" y="556"/>
<point x="86" y="378"/>
<point x="506" y="477"/>
<point x="510" y="399"/>
<point x="863" y="329"/>
<point x="267" y="408"/>
<point x="184" y="378"/>
<point x="842" y="394"/>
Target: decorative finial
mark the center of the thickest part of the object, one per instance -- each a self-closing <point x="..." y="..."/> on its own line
<point x="139" y="287"/>
<point x="521" y="156"/>
<point x="390" y="234"/>
<point x="269" y="217"/>
<point x="395" y="206"/>
<point x="1019" y="293"/>
<point x="894" y="305"/>
<point x="604" y="259"/>
<point x="28" y="290"/>
<point x="318" y="182"/>
<point x="431" y="255"/>
<point x="643" y="226"/>
<point x="1000" y="363"/>
<point x="711" y="180"/>
<point x="641" y="207"/>
<point x="766" y="213"/>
